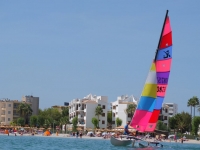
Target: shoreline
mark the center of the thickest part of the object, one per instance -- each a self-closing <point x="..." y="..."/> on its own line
<point x="189" y="141"/>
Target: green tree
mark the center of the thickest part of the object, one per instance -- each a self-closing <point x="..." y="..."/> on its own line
<point x="51" y="112"/>
<point x="95" y="122"/>
<point x="172" y="123"/>
<point x="187" y="119"/>
<point x="109" y="119"/>
<point x="195" y="124"/>
<point x="98" y="113"/>
<point x="65" y="112"/>
<point x="14" y="122"/>
<point x="131" y="109"/>
<point x="40" y="121"/>
<point x="33" y="120"/>
<point x="180" y="121"/>
<point x="25" y="111"/>
<point x="118" y="122"/>
<point x="21" y="121"/>
<point x="74" y="123"/>
<point x="63" y="121"/>
<point x="161" y="126"/>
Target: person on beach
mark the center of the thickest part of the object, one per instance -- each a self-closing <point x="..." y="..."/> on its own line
<point x="80" y="134"/>
<point x="175" y="138"/>
<point x="126" y="132"/>
<point x="77" y="134"/>
<point x="182" y="140"/>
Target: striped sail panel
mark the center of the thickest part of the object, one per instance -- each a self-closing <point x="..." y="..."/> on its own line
<point x="158" y="103"/>
<point x="151" y="78"/>
<point x="162" y="77"/>
<point x="147" y="103"/>
<point x="152" y="121"/>
<point x="154" y="116"/>
<point x="167" y="28"/>
<point x="140" y="120"/>
<point x="163" y="65"/>
<point x="166" y="41"/>
<point x="165" y="53"/>
<point x="153" y="66"/>
<point x="161" y="90"/>
<point x="150" y="90"/>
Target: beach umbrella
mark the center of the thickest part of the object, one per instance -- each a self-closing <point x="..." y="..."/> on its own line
<point x="79" y="129"/>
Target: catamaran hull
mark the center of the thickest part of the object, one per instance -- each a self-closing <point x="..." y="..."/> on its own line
<point x="118" y="142"/>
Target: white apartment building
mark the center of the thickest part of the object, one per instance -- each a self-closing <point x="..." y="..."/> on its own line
<point x="84" y="109"/>
<point x="119" y="109"/>
<point x="168" y="110"/>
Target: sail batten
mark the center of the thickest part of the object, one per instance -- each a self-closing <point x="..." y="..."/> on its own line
<point x="152" y="97"/>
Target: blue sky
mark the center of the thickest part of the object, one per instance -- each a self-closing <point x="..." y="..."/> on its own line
<point x="61" y="50"/>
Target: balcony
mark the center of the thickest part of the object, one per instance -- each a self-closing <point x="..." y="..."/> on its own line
<point x="3" y="115"/>
<point x="80" y="109"/>
<point x="80" y="116"/>
<point x="3" y="108"/>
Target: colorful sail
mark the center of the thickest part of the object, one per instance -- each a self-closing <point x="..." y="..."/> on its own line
<point x="148" y="109"/>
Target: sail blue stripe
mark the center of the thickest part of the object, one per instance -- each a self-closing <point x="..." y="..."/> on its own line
<point x="146" y="103"/>
<point x="158" y="104"/>
<point x="165" y="53"/>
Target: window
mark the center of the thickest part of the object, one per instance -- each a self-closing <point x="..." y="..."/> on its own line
<point x="165" y="118"/>
<point x="166" y="111"/>
<point x="8" y="119"/>
<point x="99" y="104"/>
<point x="9" y="112"/>
<point x="129" y="115"/>
<point x="9" y="105"/>
<point x="103" y="122"/>
<point x="103" y="114"/>
<point x="113" y="122"/>
<point x="104" y="107"/>
<point x="113" y="114"/>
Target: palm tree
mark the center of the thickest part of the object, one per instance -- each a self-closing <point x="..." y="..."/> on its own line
<point x="189" y="104"/>
<point x="21" y="108"/>
<point x="131" y="109"/>
<point x="98" y="112"/>
<point x="196" y="102"/>
<point x="25" y="111"/>
<point x="193" y="102"/>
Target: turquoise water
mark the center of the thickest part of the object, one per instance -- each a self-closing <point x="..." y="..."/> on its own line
<point x="56" y="143"/>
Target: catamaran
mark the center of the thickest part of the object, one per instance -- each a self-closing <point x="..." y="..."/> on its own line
<point x="150" y="103"/>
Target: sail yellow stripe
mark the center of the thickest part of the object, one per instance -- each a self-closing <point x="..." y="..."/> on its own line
<point x="153" y="67"/>
<point x="150" y="90"/>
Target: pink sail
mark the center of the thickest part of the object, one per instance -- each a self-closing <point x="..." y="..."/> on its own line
<point x="150" y="103"/>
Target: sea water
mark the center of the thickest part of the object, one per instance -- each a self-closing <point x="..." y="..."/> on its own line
<point x="67" y="143"/>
